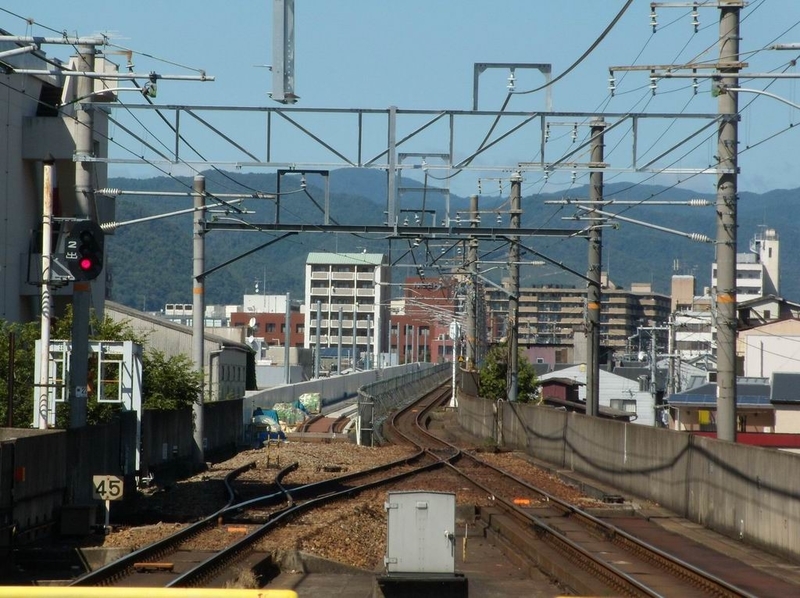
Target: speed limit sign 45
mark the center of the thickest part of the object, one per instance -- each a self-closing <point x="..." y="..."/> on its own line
<point x="107" y="487"/>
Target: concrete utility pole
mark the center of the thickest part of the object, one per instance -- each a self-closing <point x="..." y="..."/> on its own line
<point x="593" y="298"/>
<point x="727" y="198"/>
<point x="198" y="314"/>
<point x="84" y="208"/>
<point x="472" y="287"/>
<point x="513" y="297"/>
<point x="674" y="368"/>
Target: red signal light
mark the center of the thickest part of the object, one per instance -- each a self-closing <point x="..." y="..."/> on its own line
<point x="84" y="251"/>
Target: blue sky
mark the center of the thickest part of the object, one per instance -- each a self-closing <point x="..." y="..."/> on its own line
<point x="419" y="54"/>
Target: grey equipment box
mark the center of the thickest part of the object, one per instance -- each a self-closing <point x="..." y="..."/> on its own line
<point x="421" y="532"/>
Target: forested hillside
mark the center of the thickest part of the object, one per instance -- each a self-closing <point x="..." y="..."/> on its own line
<point x="151" y="262"/>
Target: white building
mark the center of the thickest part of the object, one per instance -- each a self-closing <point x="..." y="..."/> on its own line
<point x="694" y="334"/>
<point x="265" y="304"/>
<point x="770" y="348"/>
<point x="351" y="284"/>
<point x="757" y="272"/>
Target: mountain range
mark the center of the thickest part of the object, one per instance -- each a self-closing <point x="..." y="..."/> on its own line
<point x="151" y="262"/>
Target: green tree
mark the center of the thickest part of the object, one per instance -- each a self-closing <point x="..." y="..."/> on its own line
<point x="169" y="382"/>
<point x="17" y="376"/>
<point x="493" y="373"/>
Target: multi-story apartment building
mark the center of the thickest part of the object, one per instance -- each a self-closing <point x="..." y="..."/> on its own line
<point x="551" y="314"/>
<point x="757" y="277"/>
<point x="757" y="272"/>
<point x="353" y="284"/>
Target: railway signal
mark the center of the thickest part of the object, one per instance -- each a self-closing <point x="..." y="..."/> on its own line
<point x="85" y="250"/>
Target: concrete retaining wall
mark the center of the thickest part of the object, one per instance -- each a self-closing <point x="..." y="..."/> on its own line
<point x="331" y="390"/>
<point x="377" y="400"/>
<point x="744" y="492"/>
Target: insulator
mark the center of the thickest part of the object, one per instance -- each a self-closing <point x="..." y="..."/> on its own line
<point x="109" y="226"/>
<point x="701" y="238"/>
<point x="574" y="133"/>
<point x="653" y="19"/>
<point x="695" y="18"/>
<point x="547" y="132"/>
<point x="699" y="203"/>
<point x="653" y="82"/>
<point x="612" y="83"/>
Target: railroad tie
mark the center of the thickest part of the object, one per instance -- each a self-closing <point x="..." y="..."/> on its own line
<point x="153" y="566"/>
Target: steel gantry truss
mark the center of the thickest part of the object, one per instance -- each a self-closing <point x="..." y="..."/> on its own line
<point x="379" y="138"/>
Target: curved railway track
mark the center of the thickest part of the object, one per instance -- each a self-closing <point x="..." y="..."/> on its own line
<point x="607" y="555"/>
<point x="323" y="424"/>
<point x="175" y="561"/>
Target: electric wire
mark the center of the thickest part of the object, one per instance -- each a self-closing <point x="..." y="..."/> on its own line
<point x="583" y="56"/>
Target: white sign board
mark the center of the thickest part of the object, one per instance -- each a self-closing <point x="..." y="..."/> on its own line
<point x="107" y="487"/>
<point x="455" y="331"/>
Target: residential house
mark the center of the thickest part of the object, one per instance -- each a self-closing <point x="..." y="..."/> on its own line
<point x="616" y="392"/>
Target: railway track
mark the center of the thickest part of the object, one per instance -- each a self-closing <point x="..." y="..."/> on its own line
<point x="180" y="560"/>
<point x="609" y="556"/>
<point x="526" y="519"/>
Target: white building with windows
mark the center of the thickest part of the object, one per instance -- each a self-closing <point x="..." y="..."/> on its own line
<point x="350" y="284"/>
<point x="757" y="272"/>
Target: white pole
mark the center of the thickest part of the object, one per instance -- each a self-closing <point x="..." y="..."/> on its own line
<point x="453" y="397"/>
<point x="47" y="249"/>
<point x="455" y="333"/>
